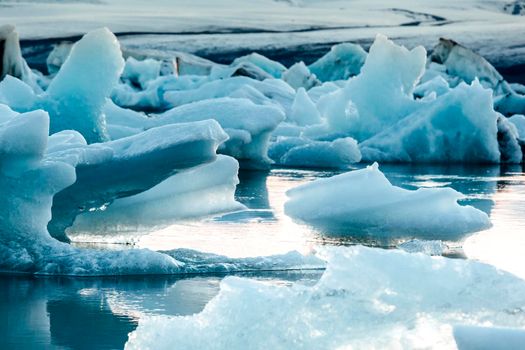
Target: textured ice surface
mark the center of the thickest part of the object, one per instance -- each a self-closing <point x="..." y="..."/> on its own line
<point x="459" y="126"/>
<point x="364" y="202"/>
<point x="519" y="122"/>
<point x="380" y="95"/>
<point x="366" y="299"/>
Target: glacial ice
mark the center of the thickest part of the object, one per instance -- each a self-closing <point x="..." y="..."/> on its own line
<point x="299" y="76"/>
<point x="364" y="203"/>
<point x="380" y="95"/>
<point x="367" y="298"/>
<point x="76" y="96"/>
<point x="340" y="63"/>
<point x="11" y="61"/>
<point x="200" y="191"/>
<point x="519" y="122"/>
<point x="459" y="126"/>
<point x="275" y="69"/>
<point x="140" y="73"/>
<point x="248" y="125"/>
<point x="120" y="168"/>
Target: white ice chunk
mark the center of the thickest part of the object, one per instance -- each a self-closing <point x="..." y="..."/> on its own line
<point x="340" y="153"/>
<point x="233" y="115"/>
<point x="201" y="191"/>
<point x="460" y="126"/>
<point x="519" y="122"/>
<point x="366" y="299"/>
<point x="299" y="76"/>
<point x="17" y="94"/>
<point x="364" y="202"/>
<point x="274" y="89"/>
<point x="304" y="111"/>
<point x="76" y="97"/>
<point x="488" y="338"/>
<point x="380" y="95"/>
<point x="141" y="72"/>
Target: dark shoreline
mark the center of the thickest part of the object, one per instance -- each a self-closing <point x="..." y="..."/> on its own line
<point x="35" y="51"/>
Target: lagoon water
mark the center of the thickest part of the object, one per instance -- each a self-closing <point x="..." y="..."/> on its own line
<point x="87" y="313"/>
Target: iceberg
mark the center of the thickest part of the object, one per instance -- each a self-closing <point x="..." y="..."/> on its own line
<point x="382" y="93"/>
<point x="205" y="190"/>
<point x="128" y="166"/>
<point x="305" y="153"/>
<point x="343" y="61"/>
<point x="275" y="90"/>
<point x="299" y="76"/>
<point x="248" y="125"/>
<point x="140" y="73"/>
<point x="519" y="122"/>
<point x="488" y="338"/>
<point x="273" y="68"/>
<point x="459" y="126"/>
<point x="76" y="96"/>
<point x="366" y="299"/>
<point x="364" y="203"/>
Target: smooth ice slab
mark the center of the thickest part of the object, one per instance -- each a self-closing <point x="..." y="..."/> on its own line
<point x="200" y="191"/>
<point x="365" y="203"/>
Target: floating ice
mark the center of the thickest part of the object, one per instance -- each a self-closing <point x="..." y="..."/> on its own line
<point x="76" y="96"/>
<point x="140" y="73"/>
<point x="467" y="65"/>
<point x="366" y="299"/>
<point x="11" y="61"/>
<point x="275" y="69"/>
<point x="519" y="122"/>
<point x="339" y="153"/>
<point x="364" y="203"/>
<point x="25" y="208"/>
<point x="248" y="125"/>
<point x="201" y="191"/>
<point x="274" y="90"/>
<point x="380" y="95"/>
<point x="128" y="166"/>
<point x="299" y="76"/>
<point x="340" y="63"/>
<point x="460" y="126"/>
<point x="304" y="112"/>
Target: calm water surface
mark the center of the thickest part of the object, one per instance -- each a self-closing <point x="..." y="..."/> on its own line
<point x="88" y="313"/>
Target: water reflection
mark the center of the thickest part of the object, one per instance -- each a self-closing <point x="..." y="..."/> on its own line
<point x="265" y="229"/>
<point x="98" y="313"/>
